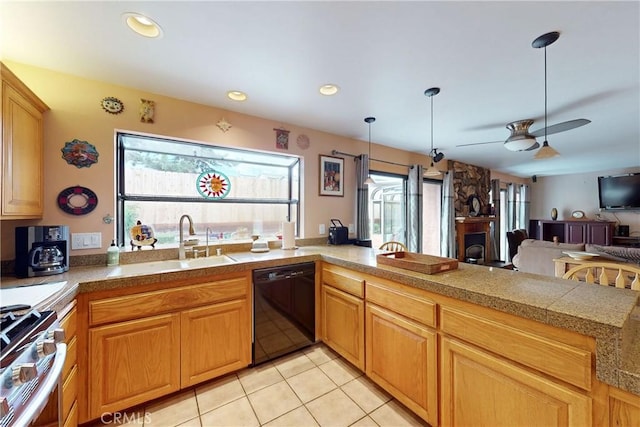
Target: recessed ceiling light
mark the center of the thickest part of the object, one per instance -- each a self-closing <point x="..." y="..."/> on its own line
<point x="142" y="25"/>
<point x="237" y="95"/>
<point x="329" y="89"/>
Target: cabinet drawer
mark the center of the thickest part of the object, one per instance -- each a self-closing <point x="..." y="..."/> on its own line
<point x="72" y="357"/>
<point x="413" y="307"/>
<point x="69" y="324"/>
<point x="343" y="279"/>
<point x="72" y="419"/>
<point x="167" y="300"/>
<point x="557" y="359"/>
<point x="69" y="392"/>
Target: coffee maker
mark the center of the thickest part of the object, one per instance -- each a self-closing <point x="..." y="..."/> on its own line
<point x="42" y="250"/>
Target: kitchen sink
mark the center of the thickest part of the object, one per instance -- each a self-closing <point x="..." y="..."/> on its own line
<point x="170" y="265"/>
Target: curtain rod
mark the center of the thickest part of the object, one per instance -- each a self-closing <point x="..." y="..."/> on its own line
<point x="336" y="152"/>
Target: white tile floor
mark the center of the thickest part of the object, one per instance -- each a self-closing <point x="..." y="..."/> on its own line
<point x="313" y="387"/>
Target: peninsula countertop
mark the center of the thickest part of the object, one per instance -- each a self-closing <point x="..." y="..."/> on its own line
<point x="610" y="315"/>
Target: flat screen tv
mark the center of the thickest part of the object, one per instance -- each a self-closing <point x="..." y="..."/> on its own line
<point x="619" y="192"/>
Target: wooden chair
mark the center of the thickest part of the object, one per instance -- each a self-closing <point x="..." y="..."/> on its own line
<point x="601" y="273"/>
<point x="394" y="246"/>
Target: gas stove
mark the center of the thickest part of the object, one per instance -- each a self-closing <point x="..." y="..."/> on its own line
<point x="32" y="354"/>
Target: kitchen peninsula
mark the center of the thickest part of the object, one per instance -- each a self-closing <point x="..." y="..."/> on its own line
<point x="540" y="339"/>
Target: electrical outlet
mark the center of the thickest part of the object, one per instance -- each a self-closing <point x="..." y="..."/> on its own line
<point x="352" y="228"/>
<point x="322" y="229"/>
<point x="86" y="241"/>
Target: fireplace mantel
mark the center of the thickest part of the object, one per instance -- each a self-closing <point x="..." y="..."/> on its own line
<point x="474" y="224"/>
<point x="475" y="219"/>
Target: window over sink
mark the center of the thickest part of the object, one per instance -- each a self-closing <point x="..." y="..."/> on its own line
<point x="236" y="193"/>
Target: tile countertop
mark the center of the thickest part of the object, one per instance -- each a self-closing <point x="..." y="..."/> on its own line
<point x="610" y="315"/>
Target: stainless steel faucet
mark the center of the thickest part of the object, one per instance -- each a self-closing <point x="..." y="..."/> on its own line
<point x="206" y="248"/>
<point x="181" y="252"/>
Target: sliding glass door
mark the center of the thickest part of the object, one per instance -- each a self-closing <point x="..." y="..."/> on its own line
<point x="388" y="211"/>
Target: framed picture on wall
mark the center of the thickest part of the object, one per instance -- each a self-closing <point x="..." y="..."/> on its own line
<point x="331" y="173"/>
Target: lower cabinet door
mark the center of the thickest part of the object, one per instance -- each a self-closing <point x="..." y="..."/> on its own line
<point x="401" y="357"/>
<point x="343" y="324"/>
<point x="481" y="389"/>
<point x="133" y="362"/>
<point x="216" y="339"/>
<point x="624" y="408"/>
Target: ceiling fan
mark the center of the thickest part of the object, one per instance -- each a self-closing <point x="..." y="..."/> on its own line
<point x="523" y="140"/>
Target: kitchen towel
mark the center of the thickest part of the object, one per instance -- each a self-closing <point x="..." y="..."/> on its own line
<point x="289" y="235"/>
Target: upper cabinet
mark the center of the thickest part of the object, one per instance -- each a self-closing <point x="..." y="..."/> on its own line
<point x="22" y="179"/>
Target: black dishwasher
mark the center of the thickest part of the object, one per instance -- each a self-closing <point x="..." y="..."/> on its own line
<point x="283" y="310"/>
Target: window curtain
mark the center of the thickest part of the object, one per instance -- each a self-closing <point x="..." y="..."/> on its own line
<point x="495" y="225"/>
<point x="524" y="207"/>
<point x="511" y="206"/>
<point x="448" y="220"/>
<point x="414" y="209"/>
<point x="362" y="198"/>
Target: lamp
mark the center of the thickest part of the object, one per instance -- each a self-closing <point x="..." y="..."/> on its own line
<point x="369" y="120"/>
<point x="546" y="152"/>
<point x="432" y="170"/>
<point x="437" y="156"/>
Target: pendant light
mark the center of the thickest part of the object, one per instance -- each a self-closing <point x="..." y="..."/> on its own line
<point x="432" y="170"/>
<point x="369" y="120"/>
<point x="546" y="152"/>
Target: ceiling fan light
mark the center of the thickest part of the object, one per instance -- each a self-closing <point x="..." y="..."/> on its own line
<point x="520" y="138"/>
<point x="519" y="142"/>
<point x="546" y="152"/>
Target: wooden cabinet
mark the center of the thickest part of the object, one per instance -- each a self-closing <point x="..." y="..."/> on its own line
<point x="22" y="149"/>
<point x="401" y="345"/>
<point x="624" y="408"/>
<point x="479" y="388"/>
<point x="216" y="339"/>
<point x="573" y="231"/>
<point x="456" y="363"/>
<point x="600" y="233"/>
<point x="343" y="313"/>
<point x="133" y="362"/>
<point x="144" y="345"/>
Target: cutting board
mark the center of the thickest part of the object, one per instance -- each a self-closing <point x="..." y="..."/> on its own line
<point x="420" y="263"/>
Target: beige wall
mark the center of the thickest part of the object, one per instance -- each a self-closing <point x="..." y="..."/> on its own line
<point x="76" y="114"/>
<point x="568" y="193"/>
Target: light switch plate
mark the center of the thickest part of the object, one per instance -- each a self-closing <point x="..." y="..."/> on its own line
<point x="322" y="229"/>
<point x="352" y="228"/>
<point x="86" y="241"/>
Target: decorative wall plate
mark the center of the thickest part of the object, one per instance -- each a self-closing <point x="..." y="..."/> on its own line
<point x="112" y="105"/>
<point x="213" y="185"/>
<point x="141" y="235"/>
<point x="303" y="141"/>
<point x="80" y="153"/>
<point x="77" y="200"/>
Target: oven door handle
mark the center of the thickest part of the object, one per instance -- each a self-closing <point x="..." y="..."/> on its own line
<point x="41" y="396"/>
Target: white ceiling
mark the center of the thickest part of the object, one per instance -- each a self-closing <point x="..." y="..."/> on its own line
<point x="383" y="55"/>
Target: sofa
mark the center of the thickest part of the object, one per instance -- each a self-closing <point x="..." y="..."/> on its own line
<point x="536" y="256"/>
